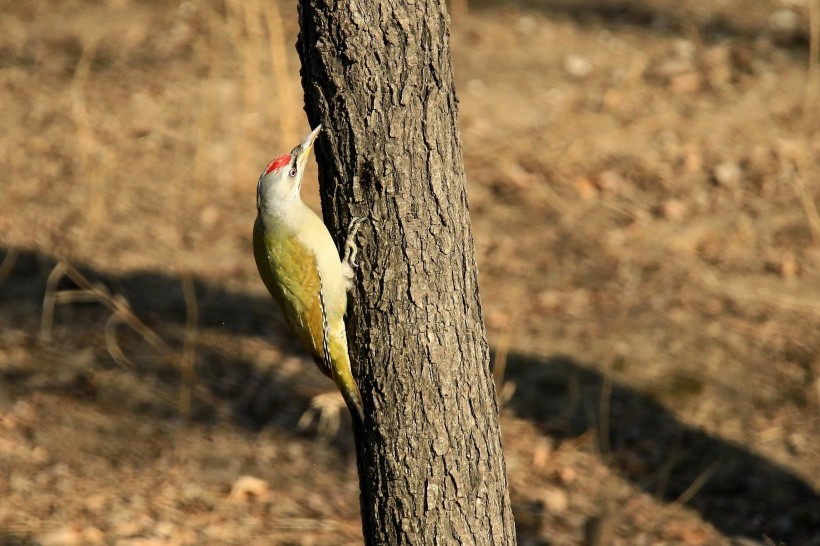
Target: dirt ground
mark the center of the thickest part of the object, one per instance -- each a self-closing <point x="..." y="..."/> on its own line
<point x="643" y="181"/>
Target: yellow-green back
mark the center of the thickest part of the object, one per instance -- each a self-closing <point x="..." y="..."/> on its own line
<point x="288" y="269"/>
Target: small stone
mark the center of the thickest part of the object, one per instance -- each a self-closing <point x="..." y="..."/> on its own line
<point x="250" y="488"/>
<point x="727" y="173"/>
<point x="541" y="453"/>
<point x="556" y="501"/>
<point x="674" y="209"/>
<point x="798" y="443"/>
<point x="165" y="529"/>
<point x="784" y="24"/>
<point x="586" y="189"/>
<point x="577" y="66"/>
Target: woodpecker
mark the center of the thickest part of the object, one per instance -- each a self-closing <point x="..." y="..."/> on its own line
<point x="300" y="266"/>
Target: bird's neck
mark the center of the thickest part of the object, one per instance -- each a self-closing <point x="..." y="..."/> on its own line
<point x="283" y="214"/>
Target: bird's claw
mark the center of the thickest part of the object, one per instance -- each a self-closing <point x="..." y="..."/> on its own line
<point x="352" y="229"/>
<point x="349" y="260"/>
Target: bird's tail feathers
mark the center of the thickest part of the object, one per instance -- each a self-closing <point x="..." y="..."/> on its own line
<point x="352" y="396"/>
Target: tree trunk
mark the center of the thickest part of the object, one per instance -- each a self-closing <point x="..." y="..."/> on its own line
<point x="377" y="74"/>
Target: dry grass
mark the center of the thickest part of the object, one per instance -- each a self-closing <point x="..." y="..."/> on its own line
<point x="813" y="82"/>
<point x="122" y="313"/>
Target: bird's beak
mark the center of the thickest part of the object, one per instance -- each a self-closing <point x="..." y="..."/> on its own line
<point x="302" y="151"/>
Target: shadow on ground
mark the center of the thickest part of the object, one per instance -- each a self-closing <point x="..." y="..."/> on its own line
<point x="231" y="382"/>
<point x="741" y="493"/>
<point x="737" y="491"/>
<point x="10" y="539"/>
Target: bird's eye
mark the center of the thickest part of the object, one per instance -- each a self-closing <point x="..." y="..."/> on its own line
<point x="293" y="171"/>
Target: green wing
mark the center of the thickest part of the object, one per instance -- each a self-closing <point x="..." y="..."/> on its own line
<point x="288" y="269"/>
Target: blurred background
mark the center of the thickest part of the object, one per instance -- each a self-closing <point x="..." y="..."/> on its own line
<point x="643" y="184"/>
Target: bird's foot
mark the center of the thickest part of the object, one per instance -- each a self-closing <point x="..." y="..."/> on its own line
<point x="349" y="264"/>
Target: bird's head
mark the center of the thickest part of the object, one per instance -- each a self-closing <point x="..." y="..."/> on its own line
<point x="281" y="181"/>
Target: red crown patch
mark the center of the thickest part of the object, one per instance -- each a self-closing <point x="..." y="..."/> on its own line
<point x="277" y="163"/>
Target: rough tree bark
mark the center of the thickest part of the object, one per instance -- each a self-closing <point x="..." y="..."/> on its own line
<point x="377" y="74"/>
